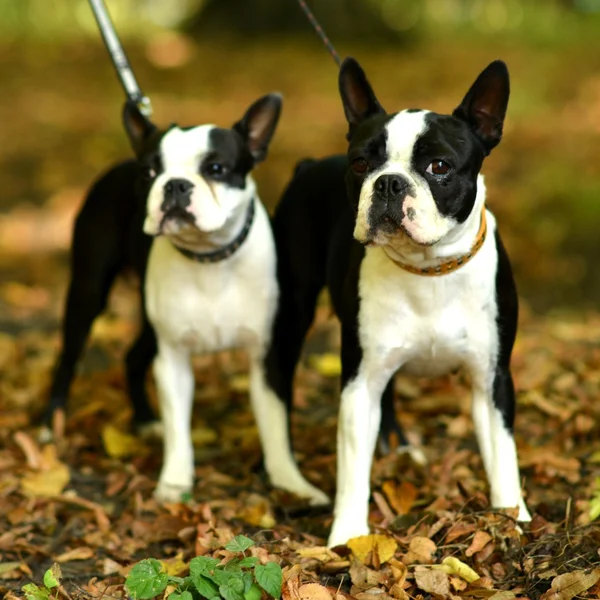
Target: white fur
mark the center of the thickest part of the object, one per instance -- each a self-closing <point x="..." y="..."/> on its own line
<point x="428" y="226"/>
<point x="426" y="326"/>
<point x="199" y="308"/>
<point x="213" y="204"/>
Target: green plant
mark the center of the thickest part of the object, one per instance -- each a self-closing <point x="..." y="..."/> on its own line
<point x="240" y="578"/>
<point x="51" y="583"/>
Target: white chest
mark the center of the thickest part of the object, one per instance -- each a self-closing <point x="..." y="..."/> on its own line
<point x="215" y="306"/>
<point x="428" y="326"/>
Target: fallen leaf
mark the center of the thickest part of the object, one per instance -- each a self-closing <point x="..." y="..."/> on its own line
<point x="401" y="497"/>
<point x="433" y="582"/>
<point x="504" y="595"/>
<point x="328" y="364"/>
<point x="384" y="546"/>
<point x="313" y="591"/>
<point x="119" y="444"/>
<point x="420" y="550"/>
<point x="320" y="553"/>
<point x="569" y="585"/>
<point x="79" y="553"/>
<point x="480" y="540"/>
<point x="454" y="566"/>
<point x="47" y="482"/>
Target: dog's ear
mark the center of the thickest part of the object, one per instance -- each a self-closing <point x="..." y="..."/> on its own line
<point x="357" y="94"/>
<point x="258" y="125"/>
<point x="138" y="127"/>
<point x="484" y="106"/>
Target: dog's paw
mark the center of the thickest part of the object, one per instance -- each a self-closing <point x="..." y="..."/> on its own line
<point x="292" y="481"/>
<point x="342" y="532"/>
<point x="318" y="497"/>
<point x="45" y="435"/>
<point x="168" y="492"/>
<point x="416" y="454"/>
<point x="524" y="515"/>
<point x="153" y="430"/>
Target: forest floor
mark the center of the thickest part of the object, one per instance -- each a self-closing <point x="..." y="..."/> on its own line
<point x="86" y="501"/>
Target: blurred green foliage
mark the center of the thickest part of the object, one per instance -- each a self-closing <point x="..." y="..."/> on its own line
<point x="60" y="114"/>
<point x="543" y="21"/>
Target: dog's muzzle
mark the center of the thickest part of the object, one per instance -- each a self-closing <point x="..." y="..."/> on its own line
<point x="177" y="194"/>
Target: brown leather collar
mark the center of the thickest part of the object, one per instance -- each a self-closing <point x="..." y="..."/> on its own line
<point x="453" y="264"/>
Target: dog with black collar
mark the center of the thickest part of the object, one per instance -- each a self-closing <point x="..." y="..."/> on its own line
<point x="186" y="217"/>
<point x="399" y="232"/>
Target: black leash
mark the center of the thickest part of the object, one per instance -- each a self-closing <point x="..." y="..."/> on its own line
<point x="119" y="58"/>
<point x="317" y="27"/>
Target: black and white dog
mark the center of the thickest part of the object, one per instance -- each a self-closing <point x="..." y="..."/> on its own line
<point x="186" y="216"/>
<point x="399" y="232"/>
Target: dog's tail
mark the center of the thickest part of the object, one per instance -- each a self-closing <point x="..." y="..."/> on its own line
<point x="303" y="164"/>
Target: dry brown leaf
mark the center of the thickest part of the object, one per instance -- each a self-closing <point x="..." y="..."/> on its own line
<point x="458" y="530"/>
<point x="80" y="553"/>
<point x="420" y="550"/>
<point x="480" y="540"/>
<point x="314" y="591"/>
<point x="433" y="582"/>
<point x="401" y="497"/>
<point x="320" y="553"/>
<point x="384" y="546"/>
<point x="569" y="585"/>
<point x="504" y="595"/>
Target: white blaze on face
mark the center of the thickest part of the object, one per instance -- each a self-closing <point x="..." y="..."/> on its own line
<point x="425" y="225"/>
<point x="212" y="203"/>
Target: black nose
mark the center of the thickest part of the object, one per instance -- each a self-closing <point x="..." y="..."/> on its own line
<point x="177" y="193"/>
<point x="391" y="187"/>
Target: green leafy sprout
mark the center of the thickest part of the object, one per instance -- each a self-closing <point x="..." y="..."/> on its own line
<point x="241" y="578"/>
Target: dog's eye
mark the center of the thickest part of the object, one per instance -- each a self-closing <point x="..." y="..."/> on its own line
<point x="215" y="169"/>
<point x="360" y="165"/>
<point x="438" y="167"/>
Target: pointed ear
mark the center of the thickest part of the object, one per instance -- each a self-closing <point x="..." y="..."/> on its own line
<point x="357" y="94"/>
<point x="258" y="125"/>
<point x="137" y="126"/>
<point x="484" y="106"/>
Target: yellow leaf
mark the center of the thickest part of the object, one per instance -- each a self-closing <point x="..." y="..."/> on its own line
<point x="461" y="569"/>
<point x="239" y="383"/>
<point x="50" y="480"/>
<point x="202" y="436"/>
<point x="174" y="566"/>
<point x="382" y="544"/>
<point x="328" y="365"/>
<point x="119" y="444"/>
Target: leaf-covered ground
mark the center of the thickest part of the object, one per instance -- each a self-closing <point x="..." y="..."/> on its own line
<point x="86" y="501"/>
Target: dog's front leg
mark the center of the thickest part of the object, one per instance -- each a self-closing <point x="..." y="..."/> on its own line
<point x="493" y="416"/>
<point x="175" y="387"/>
<point x="358" y="427"/>
<point x="272" y="419"/>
